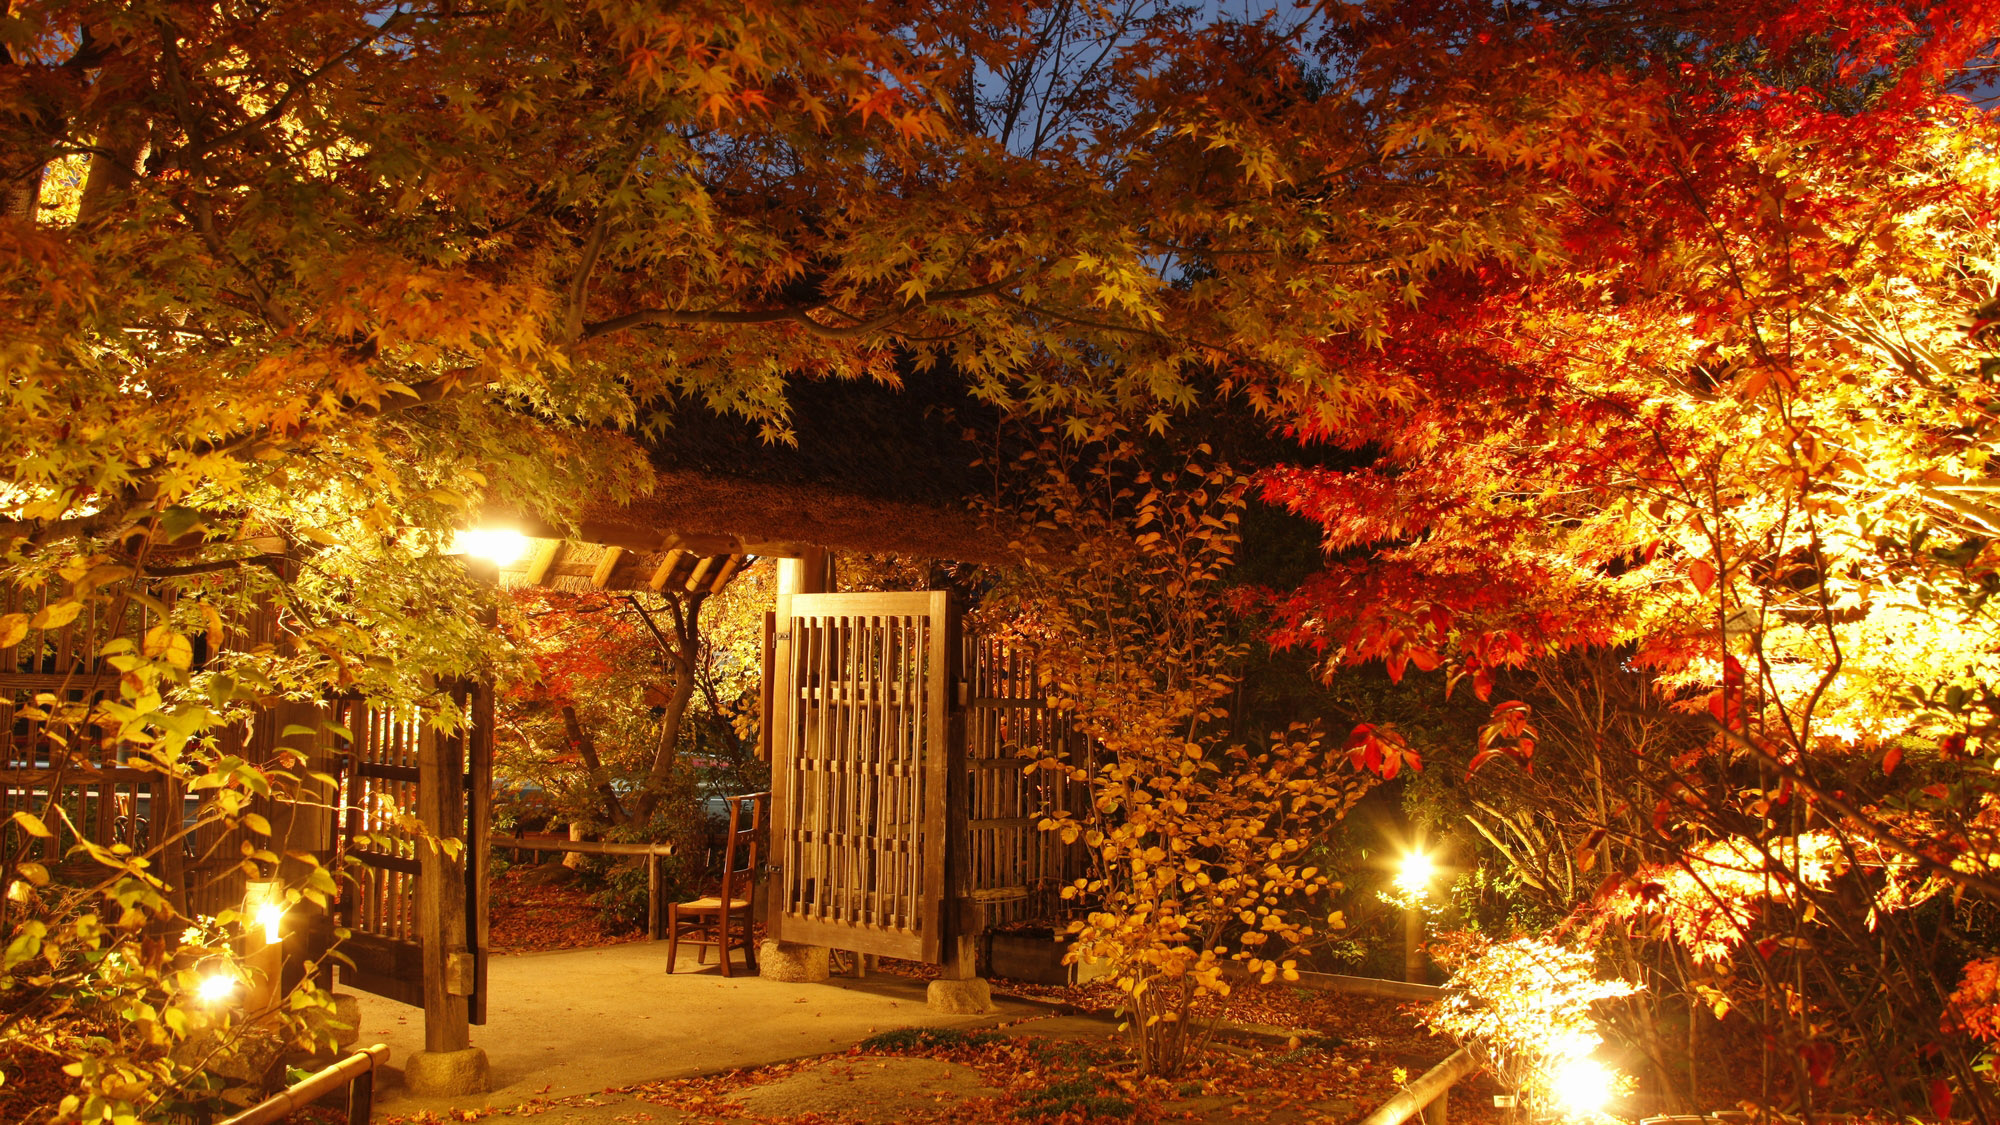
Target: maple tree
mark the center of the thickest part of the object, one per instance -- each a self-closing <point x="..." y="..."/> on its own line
<point x="1723" y="415"/>
<point x="1201" y="844"/>
<point x="1644" y="316"/>
<point x="643" y="691"/>
<point x="629" y="712"/>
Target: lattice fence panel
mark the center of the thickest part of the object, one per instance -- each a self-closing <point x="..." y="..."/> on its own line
<point x="378" y="800"/>
<point x="1016" y="871"/>
<point x="106" y="797"/>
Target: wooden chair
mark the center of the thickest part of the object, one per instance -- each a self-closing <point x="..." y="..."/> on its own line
<point x="712" y="919"/>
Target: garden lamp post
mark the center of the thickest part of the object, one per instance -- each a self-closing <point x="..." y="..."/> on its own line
<point x="1413" y="878"/>
<point x="264" y="955"/>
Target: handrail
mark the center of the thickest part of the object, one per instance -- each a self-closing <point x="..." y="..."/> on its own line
<point x="1434" y="1085"/>
<point x="1362" y="986"/>
<point x="653" y="853"/>
<point x="356" y="1072"/>
<point x="587" y="847"/>
<point x="1371" y="986"/>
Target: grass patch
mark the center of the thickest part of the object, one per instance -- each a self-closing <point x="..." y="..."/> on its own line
<point x="1087" y="1095"/>
<point x="927" y="1039"/>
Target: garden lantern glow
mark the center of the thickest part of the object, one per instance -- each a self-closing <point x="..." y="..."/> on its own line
<point x="217" y="987"/>
<point x="1582" y="1086"/>
<point x="1413" y="877"/>
<point x="264" y="905"/>
<point x="270" y="916"/>
<point x="498" y="546"/>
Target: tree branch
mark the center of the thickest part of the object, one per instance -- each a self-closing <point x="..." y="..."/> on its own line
<point x="1876" y="832"/>
<point x="581" y="739"/>
<point x="795" y="314"/>
<point x="600" y="232"/>
<point x="114" y="512"/>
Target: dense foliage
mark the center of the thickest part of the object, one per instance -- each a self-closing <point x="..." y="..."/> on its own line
<point x="1728" y="430"/>
<point x="1201" y="842"/>
<point x="1641" y="324"/>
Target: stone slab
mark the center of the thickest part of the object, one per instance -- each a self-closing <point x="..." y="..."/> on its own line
<point x="794" y="963"/>
<point x="446" y="1074"/>
<point x="969" y="997"/>
<point x="577" y="1022"/>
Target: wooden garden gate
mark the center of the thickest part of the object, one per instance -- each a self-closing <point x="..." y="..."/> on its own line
<point x="398" y="766"/>
<point x="860" y="715"/>
<point x="903" y="821"/>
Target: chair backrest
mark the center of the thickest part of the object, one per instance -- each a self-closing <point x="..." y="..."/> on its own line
<point x="739" y="851"/>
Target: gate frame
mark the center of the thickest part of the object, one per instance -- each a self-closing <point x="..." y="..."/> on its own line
<point x="936" y="902"/>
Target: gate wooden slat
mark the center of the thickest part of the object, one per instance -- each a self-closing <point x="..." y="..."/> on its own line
<point x="860" y="750"/>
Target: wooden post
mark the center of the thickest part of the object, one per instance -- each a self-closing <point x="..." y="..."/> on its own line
<point x="807" y="574"/>
<point x="478" y="807"/>
<point x="960" y="990"/>
<point x="361" y="1098"/>
<point x="652" y="898"/>
<point x="441" y="894"/>
<point x="303" y="825"/>
<point x="1413" y="946"/>
<point x="963" y="915"/>
<point x="804" y="575"/>
<point x="306" y="824"/>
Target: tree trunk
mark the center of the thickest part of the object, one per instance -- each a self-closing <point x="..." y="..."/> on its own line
<point x="22" y="196"/>
<point x="113" y="170"/>
<point x="682" y="654"/>
<point x="581" y="739"/>
<point x="667" y="754"/>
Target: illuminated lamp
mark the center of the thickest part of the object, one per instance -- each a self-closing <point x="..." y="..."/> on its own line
<point x="499" y="546"/>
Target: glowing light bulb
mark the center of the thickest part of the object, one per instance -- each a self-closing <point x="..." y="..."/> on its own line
<point x="1414" y="876"/>
<point x="1582" y="1086"/>
<point x="216" y="988"/>
<point x="269" y="916"/>
<point x="498" y="546"/>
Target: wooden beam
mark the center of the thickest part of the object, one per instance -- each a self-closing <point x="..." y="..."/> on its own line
<point x="665" y="570"/>
<point x="700" y="572"/>
<point x="730" y="566"/>
<point x="617" y="535"/>
<point x="701" y="544"/>
<point x="544" y="560"/>
<point x="601" y="577"/>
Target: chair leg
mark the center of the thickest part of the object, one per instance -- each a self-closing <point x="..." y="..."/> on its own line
<point x="750" y="940"/>
<point x="722" y="939"/>
<point x="673" y="934"/>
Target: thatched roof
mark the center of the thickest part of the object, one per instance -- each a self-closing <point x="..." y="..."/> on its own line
<point x="871" y="468"/>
